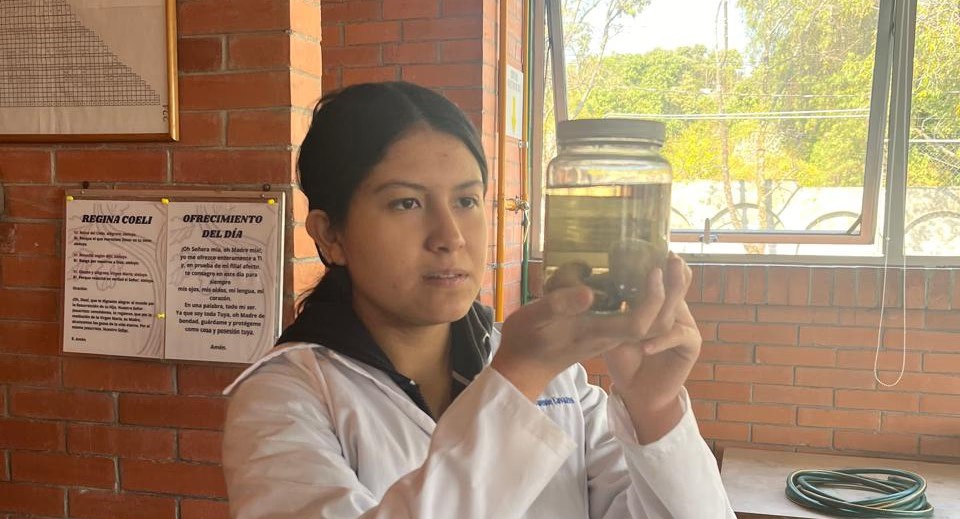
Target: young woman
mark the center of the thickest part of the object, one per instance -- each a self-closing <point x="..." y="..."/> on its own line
<point x="392" y="396"/>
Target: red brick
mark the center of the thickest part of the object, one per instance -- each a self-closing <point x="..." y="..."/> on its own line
<point x="258" y="51"/>
<point x="724" y="391"/>
<point x="42" y="202"/>
<point x="405" y="9"/>
<point x="351" y="11"/>
<point x="332" y="37"/>
<point x="916" y="289"/>
<point x="117" y="375"/>
<point x="406" y="53"/>
<point x="723" y="312"/>
<point x="845" y="287"/>
<point x="869" y="286"/>
<point x="442" y="29"/>
<point x="921" y="340"/>
<point x="797" y="314"/>
<point x="171" y="411"/>
<point x="875" y="442"/>
<point x="30" y="337"/>
<point x="111" y="166"/>
<point x="835" y="378"/>
<point x="90" y="504"/>
<point x="758" y="333"/>
<point x="939" y="446"/>
<point x="173" y="478"/>
<point x="778" y="285"/>
<point x="921" y="424"/>
<point x="61" y="469"/>
<point x="921" y="382"/>
<point x="356" y="56"/>
<point x="888" y="360"/>
<point x="200" y="54"/>
<point x="84" y="406"/>
<point x="701" y="371"/>
<point x="734" y="284"/>
<point x="354" y="76"/>
<point x="821" y="286"/>
<point x="232" y="167"/>
<point x="755" y="290"/>
<point x="235" y="90"/>
<point x="770" y="414"/>
<point x="219" y="16"/>
<point x="127" y="442"/>
<point x="876" y="400"/>
<point x="942" y="320"/>
<point x="25" y="166"/>
<point x="205" y="379"/>
<point x="203" y="509"/>
<point x="450" y="8"/>
<point x="31" y="499"/>
<point x="28" y="304"/>
<point x="200" y="446"/>
<point x="32" y="271"/>
<point x="201" y="129"/>
<point x="694" y="293"/>
<point x="258" y="128"/>
<point x="461" y="51"/>
<point x="470" y="100"/>
<point x="711" y="290"/>
<point x="371" y="32"/>
<point x="938" y="289"/>
<point x="792" y="395"/>
<point x="306" y="91"/>
<point x="839" y="419"/>
<point x="723" y="352"/>
<point x="725" y="431"/>
<point x="792" y="435"/>
<point x="760" y="374"/>
<point x="943" y="404"/>
<point x="29" y="371"/>
<point x="704" y="410"/>
<point x="796" y="356"/>
<point x="29" y="238"/>
<point x="31" y="435"/>
<point x="840" y="336"/>
<point x="892" y="279"/>
<point x="892" y="318"/>
<point x="708" y="332"/>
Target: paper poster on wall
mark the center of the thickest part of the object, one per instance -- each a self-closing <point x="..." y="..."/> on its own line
<point x="113" y="277"/>
<point x="223" y="279"/>
<point x="514" y="103"/>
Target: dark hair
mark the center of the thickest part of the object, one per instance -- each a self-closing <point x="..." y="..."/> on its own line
<point x="350" y="133"/>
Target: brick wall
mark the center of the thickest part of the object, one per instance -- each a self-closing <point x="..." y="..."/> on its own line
<point x="788" y="356"/>
<point x="95" y="437"/>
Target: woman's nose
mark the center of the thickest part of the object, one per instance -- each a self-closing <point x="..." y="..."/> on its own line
<point x="445" y="234"/>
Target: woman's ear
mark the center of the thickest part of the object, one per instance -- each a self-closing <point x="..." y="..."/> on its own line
<point x="326" y="237"/>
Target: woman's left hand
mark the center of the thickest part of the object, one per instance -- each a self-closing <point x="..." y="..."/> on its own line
<point x="648" y="374"/>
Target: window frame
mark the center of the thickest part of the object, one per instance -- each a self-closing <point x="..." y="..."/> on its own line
<point x="888" y="123"/>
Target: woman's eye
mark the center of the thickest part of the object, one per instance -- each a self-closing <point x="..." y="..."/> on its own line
<point x="405" y="204"/>
<point x="468" y="202"/>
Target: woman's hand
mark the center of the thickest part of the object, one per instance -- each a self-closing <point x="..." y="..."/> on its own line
<point x="649" y="373"/>
<point x="545" y="337"/>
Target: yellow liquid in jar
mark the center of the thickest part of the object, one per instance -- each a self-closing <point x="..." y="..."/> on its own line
<point x="606" y="237"/>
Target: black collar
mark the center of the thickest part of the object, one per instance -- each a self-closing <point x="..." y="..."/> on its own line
<point x="327" y="318"/>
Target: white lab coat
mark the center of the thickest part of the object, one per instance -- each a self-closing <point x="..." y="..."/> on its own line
<point x="312" y="434"/>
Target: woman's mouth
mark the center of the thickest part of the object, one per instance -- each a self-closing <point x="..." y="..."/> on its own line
<point x="446" y="277"/>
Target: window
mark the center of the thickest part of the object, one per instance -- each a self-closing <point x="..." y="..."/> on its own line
<point x="783" y="117"/>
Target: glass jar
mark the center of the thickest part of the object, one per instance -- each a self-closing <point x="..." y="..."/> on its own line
<point x="607" y="219"/>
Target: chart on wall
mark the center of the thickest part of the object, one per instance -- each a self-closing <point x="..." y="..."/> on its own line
<point x="189" y="279"/>
<point x="84" y="67"/>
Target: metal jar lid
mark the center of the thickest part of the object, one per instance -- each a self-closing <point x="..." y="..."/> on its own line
<point x="614" y="129"/>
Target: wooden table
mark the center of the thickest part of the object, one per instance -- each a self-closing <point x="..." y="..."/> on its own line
<point x="755" y="481"/>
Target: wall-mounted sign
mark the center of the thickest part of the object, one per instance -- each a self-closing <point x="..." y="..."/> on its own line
<point x="196" y="276"/>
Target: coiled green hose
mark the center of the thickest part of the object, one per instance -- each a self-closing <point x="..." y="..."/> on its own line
<point x="904" y="492"/>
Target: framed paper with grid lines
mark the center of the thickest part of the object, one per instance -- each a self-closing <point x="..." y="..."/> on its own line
<point x="88" y="70"/>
